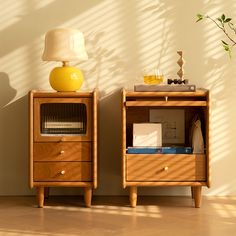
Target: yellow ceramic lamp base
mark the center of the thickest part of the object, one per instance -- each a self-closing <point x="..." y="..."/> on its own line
<point x="66" y="79"/>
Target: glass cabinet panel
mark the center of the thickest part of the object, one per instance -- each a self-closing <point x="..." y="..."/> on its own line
<point x="63" y="119"/>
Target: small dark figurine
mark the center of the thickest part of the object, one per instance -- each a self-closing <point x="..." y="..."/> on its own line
<point x="177" y="81"/>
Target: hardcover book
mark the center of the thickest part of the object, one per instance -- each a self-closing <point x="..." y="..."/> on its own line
<point x="147" y="134"/>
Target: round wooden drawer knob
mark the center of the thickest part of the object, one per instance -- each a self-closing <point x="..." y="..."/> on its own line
<point x="62" y="152"/>
<point x="165" y="168"/>
<point x="62" y="172"/>
<point x="62" y="139"/>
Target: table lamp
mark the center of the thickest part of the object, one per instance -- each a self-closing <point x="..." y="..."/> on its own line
<point x="65" y="45"/>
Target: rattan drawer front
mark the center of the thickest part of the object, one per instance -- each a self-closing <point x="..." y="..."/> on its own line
<point x="166" y="167"/>
<point x="62" y="171"/>
<point x="62" y="151"/>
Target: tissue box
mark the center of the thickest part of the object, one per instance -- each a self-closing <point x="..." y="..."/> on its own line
<point x="147" y="134"/>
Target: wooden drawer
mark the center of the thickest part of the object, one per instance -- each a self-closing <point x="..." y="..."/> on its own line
<point x="62" y="151"/>
<point x="62" y="171"/>
<point x="166" y="167"/>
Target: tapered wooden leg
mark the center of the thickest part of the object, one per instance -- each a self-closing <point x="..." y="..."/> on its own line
<point x="133" y="196"/>
<point x="46" y="192"/>
<point x="88" y="196"/>
<point x="192" y="192"/>
<point x="40" y="196"/>
<point x="197" y="195"/>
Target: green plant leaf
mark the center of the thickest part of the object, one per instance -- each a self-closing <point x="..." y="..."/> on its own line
<point x="227" y="20"/>
<point x="199" y="17"/>
<point x="224" y="43"/>
<point x="219" y="19"/>
<point x="223" y="17"/>
<point x="227" y="48"/>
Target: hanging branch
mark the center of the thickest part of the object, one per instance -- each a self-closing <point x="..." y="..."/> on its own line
<point x="222" y="21"/>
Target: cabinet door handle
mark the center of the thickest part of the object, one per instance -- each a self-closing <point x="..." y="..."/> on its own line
<point x="62" y="152"/>
<point x="165" y="168"/>
<point x="62" y="172"/>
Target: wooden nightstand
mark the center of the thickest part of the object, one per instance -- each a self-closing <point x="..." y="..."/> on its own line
<point x="165" y="169"/>
<point x="63" y="141"/>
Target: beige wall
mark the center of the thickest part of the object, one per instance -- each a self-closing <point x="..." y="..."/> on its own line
<point x="122" y="38"/>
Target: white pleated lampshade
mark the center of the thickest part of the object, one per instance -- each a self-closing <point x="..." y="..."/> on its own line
<point x="64" y="44"/>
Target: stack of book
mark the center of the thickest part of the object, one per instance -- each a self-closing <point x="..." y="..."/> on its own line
<point x="159" y="150"/>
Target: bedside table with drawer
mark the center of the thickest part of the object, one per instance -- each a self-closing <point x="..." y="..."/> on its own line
<point x="63" y="141"/>
<point x="158" y="169"/>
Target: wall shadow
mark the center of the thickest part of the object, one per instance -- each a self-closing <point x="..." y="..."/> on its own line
<point x="7" y="93"/>
<point x="14" y="147"/>
<point x="109" y="138"/>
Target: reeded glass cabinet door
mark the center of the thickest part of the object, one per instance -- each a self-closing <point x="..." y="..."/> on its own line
<point x="68" y="118"/>
<point x="63" y="119"/>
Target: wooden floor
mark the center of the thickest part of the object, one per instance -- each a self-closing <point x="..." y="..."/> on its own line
<point x="64" y="216"/>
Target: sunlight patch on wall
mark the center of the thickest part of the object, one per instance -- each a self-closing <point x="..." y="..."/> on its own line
<point x="104" y="42"/>
<point x="212" y="39"/>
<point x="11" y="12"/>
<point x="154" y="35"/>
<point x="25" y="69"/>
<point x="93" y="17"/>
<point x="40" y="70"/>
<point x="42" y="3"/>
<point x="121" y="40"/>
<point x="218" y="78"/>
<point x="101" y="25"/>
<point x="22" y="64"/>
<point x="15" y="64"/>
<point x="215" y="82"/>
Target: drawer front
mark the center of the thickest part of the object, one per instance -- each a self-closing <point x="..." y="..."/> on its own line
<point x="62" y="171"/>
<point x="166" y="167"/>
<point x="62" y="151"/>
